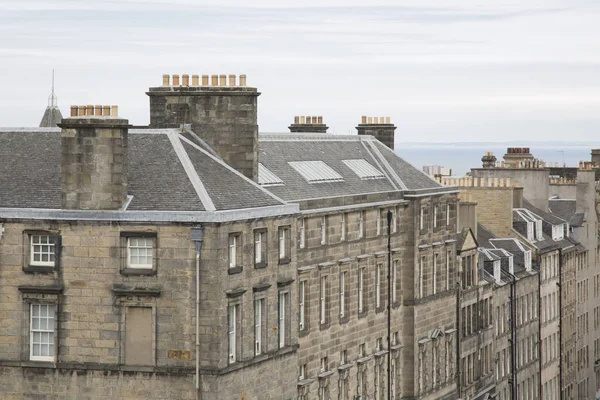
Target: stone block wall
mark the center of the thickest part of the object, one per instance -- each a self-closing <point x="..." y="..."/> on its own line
<point x="494" y="207"/>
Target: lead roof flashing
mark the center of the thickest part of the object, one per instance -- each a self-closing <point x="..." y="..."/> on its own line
<point x="147" y="216"/>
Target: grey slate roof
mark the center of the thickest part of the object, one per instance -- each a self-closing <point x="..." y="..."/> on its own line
<point x="547" y="216"/>
<point x="158" y="177"/>
<point x="277" y="150"/>
<point x="566" y="209"/>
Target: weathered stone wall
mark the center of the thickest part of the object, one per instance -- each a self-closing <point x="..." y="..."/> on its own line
<point x="494" y="207"/>
<point x="225" y="117"/>
<point x="382" y="132"/>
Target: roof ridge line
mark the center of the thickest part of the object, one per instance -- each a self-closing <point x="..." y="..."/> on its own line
<point x="387" y="165"/>
<point x="187" y="165"/>
<point x="383" y="167"/>
<point x="230" y="168"/>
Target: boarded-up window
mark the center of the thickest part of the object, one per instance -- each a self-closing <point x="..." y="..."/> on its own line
<point x="138" y="336"/>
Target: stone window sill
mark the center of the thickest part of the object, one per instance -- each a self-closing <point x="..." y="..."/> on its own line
<point x="283" y="261"/>
<point x="38" y="269"/>
<point x="138" y="272"/>
<point x="235" y="270"/>
<point x="260" y="265"/>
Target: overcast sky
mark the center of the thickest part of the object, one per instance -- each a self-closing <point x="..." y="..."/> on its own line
<point x="451" y="70"/>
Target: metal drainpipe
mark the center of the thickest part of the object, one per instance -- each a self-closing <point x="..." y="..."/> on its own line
<point x="560" y="326"/>
<point x="389" y="298"/>
<point x="513" y="334"/>
<point x="198" y="239"/>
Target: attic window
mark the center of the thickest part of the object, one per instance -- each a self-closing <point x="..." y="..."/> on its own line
<point x="363" y="169"/>
<point x="316" y="171"/>
<point x="267" y="178"/>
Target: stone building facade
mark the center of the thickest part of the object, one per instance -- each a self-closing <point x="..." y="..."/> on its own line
<point x="190" y="259"/>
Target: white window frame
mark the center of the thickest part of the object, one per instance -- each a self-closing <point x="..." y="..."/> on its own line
<point x="378" y="285"/>
<point x="343" y="227"/>
<point x="421" y="266"/>
<point x="282" y="317"/>
<point x="258" y="310"/>
<point x="361" y="224"/>
<point x="342" y="293"/>
<point x="527" y="257"/>
<point x="435" y="214"/>
<point x="394" y="221"/>
<point x="394" y="280"/>
<point x="130" y="247"/>
<point x="232" y="332"/>
<point x="232" y="250"/>
<point x="302" y="372"/>
<point x="323" y="299"/>
<point x="447" y="214"/>
<point x="50" y="253"/>
<point x="301" y="303"/>
<point x="258" y="242"/>
<point x="302" y="233"/>
<point x="422" y="218"/>
<point x="361" y="282"/>
<point x="448" y="259"/>
<point x="283" y="238"/>
<point x="435" y="257"/>
<point x="379" y="222"/>
<point x="50" y="331"/>
<point x="323" y="229"/>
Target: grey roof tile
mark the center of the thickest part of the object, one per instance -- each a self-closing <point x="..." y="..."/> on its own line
<point x="276" y="150"/>
<point x="227" y="188"/>
<point x="158" y="181"/>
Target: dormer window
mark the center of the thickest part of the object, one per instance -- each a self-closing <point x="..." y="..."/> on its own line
<point x="511" y="264"/>
<point x="527" y="255"/>
<point x="497" y="270"/>
<point x="557" y="232"/>
<point x="530" y="233"/>
<point x="538" y="230"/>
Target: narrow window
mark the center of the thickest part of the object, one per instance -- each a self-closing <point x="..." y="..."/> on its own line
<point x="41" y="332"/>
<point x="435" y="216"/>
<point x="435" y="259"/>
<point x="361" y="273"/>
<point x="234" y="240"/>
<point x="379" y="222"/>
<point x="283" y="300"/>
<point x="301" y="301"/>
<point x="448" y="260"/>
<point x="260" y="247"/>
<point x="258" y="316"/>
<point x="232" y="324"/>
<point x="422" y="219"/>
<point x="323" y="230"/>
<point x="302" y="233"/>
<point x="378" y="286"/>
<point x="42" y="250"/>
<point x="447" y="214"/>
<point x="342" y="294"/>
<point x="395" y="281"/>
<point x="284" y="243"/>
<point x="394" y="221"/>
<point x="421" y="266"/>
<point x="343" y="227"/>
<point x="323" y="299"/>
<point x="361" y="227"/>
<point x="302" y="374"/>
<point x="139" y="250"/>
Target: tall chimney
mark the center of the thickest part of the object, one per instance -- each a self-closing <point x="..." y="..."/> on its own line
<point x="308" y="125"/>
<point x="94" y="159"/>
<point x="223" y="114"/>
<point x="488" y="160"/>
<point x="380" y="127"/>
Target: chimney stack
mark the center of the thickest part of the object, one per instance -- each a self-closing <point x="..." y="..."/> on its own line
<point x="379" y="127"/>
<point x="308" y="124"/>
<point x="221" y="110"/>
<point x="489" y="160"/>
<point x="94" y="159"/>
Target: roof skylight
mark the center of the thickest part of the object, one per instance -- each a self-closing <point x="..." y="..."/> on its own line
<point x="363" y="169"/>
<point x="267" y="178"/>
<point x="316" y="171"/>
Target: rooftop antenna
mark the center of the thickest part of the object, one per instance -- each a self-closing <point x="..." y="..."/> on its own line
<point x="52" y="100"/>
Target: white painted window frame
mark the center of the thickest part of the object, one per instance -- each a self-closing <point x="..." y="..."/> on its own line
<point x="302" y="304"/>
<point x="232" y="332"/>
<point x="342" y="294"/>
<point x="52" y="250"/>
<point x="50" y="331"/>
<point x="258" y="316"/>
